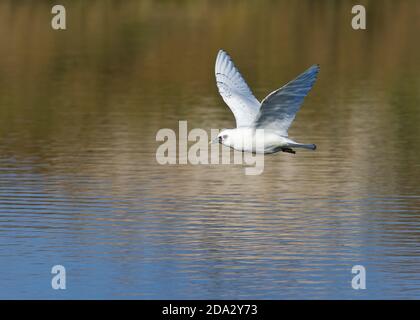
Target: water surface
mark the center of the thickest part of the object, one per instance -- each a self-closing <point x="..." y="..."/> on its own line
<point x="80" y="185"/>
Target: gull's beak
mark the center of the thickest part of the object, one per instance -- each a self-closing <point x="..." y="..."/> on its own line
<point x="214" y="140"/>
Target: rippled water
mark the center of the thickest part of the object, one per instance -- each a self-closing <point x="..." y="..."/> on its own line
<point x="80" y="185"/>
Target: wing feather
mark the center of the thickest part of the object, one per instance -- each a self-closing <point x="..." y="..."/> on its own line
<point x="279" y="108"/>
<point x="234" y="91"/>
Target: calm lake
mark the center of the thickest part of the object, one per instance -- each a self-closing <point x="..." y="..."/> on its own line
<point x="80" y="185"/>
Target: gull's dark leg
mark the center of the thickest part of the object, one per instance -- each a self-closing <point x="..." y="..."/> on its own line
<point x="288" y="150"/>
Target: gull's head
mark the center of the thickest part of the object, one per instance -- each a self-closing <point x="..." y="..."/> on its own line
<point x="224" y="137"/>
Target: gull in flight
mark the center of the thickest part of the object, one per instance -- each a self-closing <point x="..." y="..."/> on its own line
<point x="274" y="114"/>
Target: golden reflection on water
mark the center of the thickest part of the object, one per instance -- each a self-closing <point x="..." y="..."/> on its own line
<point x="79" y="111"/>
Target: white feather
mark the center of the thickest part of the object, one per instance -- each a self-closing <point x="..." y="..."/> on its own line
<point x="235" y="92"/>
<point x="279" y="108"/>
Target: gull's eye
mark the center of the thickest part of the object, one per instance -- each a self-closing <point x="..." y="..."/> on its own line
<point x="221" y="138"/>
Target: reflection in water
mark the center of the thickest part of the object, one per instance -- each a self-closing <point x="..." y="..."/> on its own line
<point x="80" y="186"/>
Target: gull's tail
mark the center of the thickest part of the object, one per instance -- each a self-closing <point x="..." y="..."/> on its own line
<point x="302" y="145"/>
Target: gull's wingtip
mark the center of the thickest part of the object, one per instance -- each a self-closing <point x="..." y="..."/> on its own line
<point x="222" y="59"/>
<point x="315" y="67"/>
<point x="313" y="70"/>
<point x="222" y="53"/>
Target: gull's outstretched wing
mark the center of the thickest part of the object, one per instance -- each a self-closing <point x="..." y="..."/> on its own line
<point x="235" y="92"/>
<point x="279" y="108"/>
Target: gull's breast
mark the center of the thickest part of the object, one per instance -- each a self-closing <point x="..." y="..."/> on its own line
<point x="251" y="140"/>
